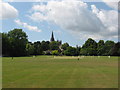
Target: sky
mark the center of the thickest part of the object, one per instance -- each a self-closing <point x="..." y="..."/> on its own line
<point x="72" y="22"/>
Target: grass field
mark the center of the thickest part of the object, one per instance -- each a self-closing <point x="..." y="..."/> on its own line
<point x="60" y="72"/>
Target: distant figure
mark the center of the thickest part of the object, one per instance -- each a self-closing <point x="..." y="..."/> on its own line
<point x="78" y="58"/>
<point x="12" y="57"/>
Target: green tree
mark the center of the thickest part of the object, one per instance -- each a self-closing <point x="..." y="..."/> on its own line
<point x="54" y="45"/>
<point x="29" y="48"/>
<point x="90" y="43"/>
<point x="0" y="44"/>
<point x="83" y="51"/>
<point x="5" y="44"/>
<point x="78" y="48"/>
<point x="108" y="46"/>
<point x="100" y="47"/>
<point x="18" y="40"/>
<point x="70" y="51"/>
<point x="55" y="52"/>
<point x="115" y="50"/>
<point x="45" y="45"/>
<point x="89" y="48"/>
<point x="37" y="48"/>
<point x="64" y="46"/>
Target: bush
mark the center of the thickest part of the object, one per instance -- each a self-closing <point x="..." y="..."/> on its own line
<point x="55" y="52"/>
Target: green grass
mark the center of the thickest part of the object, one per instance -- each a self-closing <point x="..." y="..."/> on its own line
<point x="60" y="72"/>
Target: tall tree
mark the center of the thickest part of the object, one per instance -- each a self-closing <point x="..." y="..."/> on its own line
<point x="0" y="44"/>
<point x="78" y="48"/>
<point x="115" y="50"/>
<point x="37" y="48"/>
<point x="45" y="45"/>
<point x="18" y="40"/>
<point x="54" y="45"/>
<point x="29" y="48"/>
<point x="108" y="46"/>
<point x="64" y="46"/>
<point x="5" y="45"/>
<point x="100" y="47"/>
<point x="70" y="51"/>
<point x="89" y="48"/>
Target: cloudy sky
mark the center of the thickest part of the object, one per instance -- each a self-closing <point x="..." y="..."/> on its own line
<point x="71" y="21"/>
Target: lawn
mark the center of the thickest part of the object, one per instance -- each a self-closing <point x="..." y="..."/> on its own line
<point x="60" y="72"/>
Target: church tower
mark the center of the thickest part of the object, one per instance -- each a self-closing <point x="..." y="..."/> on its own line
<point x="52" y="37"/>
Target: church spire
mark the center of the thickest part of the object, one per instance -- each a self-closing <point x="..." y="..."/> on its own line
<point x="52" y="37"/>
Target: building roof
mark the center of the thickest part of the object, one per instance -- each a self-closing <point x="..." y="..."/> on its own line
<point x="52" y="37"/>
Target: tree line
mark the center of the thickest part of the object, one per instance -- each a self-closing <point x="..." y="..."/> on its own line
<point x="15" y="43"/>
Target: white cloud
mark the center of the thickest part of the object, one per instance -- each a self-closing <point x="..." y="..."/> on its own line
<point x="39" y="8"/>
<point x="112" y="4"/>
<point x="38" y="17"/>
<point x="75" y="17"/>
<point x="27" y="26"/>
<point x="109" y="20"/>
<point x="7" y="11"/>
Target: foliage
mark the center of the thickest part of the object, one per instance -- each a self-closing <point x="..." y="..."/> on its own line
<point x="64" y="46"/>
<point x="115" y="51"/>
<point x="5" y="45"/>
<point x="100" y="47"/>
<point x="54" y="45"/>
<point x="29" y="48"/>
<point x="70" y="51"/>
<point x="89" y="48"/>
<point x="108" y="45"/>
<point x="78" y="48"/>
<point x="83" y="51"/>
<point x="16" y="42"/>
<point x="55" y="52"/>
<point x="37" y="48"/>
<point x="45" y="45"/>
